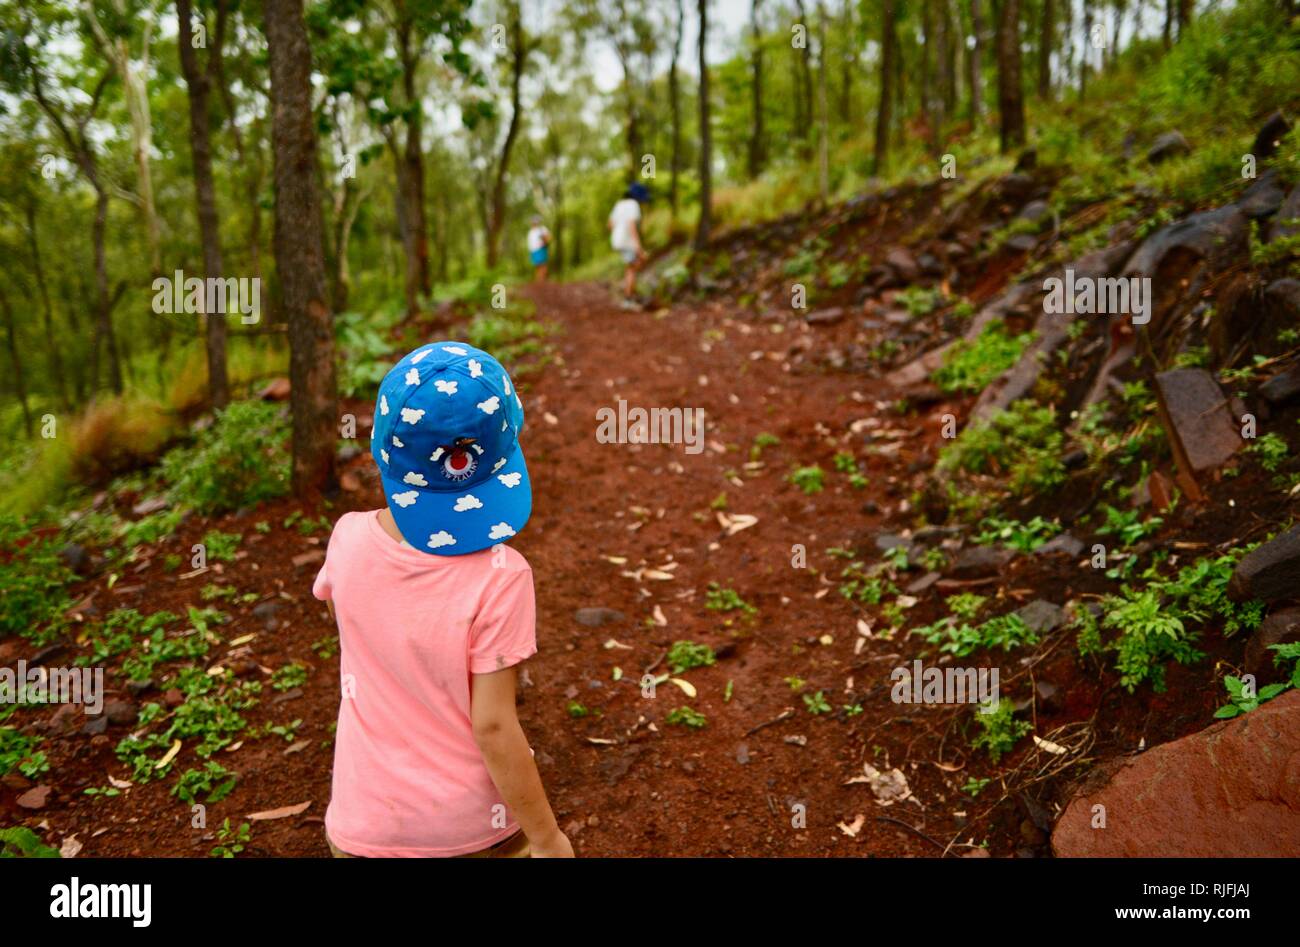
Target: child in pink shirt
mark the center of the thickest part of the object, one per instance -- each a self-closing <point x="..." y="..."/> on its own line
<point x="434" y="614"/>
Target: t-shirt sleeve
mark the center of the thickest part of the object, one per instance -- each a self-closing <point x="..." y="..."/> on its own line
<point x="323" y="588"/>
<point x="505" y="630"/>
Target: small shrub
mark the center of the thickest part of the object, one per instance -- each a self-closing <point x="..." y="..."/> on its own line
<point x="239" y="461"/>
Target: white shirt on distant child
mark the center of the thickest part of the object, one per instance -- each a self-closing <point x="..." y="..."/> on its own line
<point x="622" y="220"/>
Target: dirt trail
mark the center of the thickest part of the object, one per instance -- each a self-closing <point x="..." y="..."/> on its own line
<point x="623" y="781"/>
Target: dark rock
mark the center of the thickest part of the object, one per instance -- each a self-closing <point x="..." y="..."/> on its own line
<point x="1074" y="459"/>
<point x="1214" y="235"/>
<point x="1198" y="420"/>
<point x="152" y="505"/>
<point x="1278" y="628"/>
<point x="1282" y="387"/>
<point x="1287" y="221"/>
<point x="1167" y="146"/>
<point x="265" y="612"/>
<point x="1275" y="128"/>
<point x="595" y="617"/>
<point x="1020" y="243"/>
<point x="76" y="558"/>
<point x="49" y="651"/>
<point x="120" y="712"/>
<point x="136" y="688"/>
<point x="930" y="264"/>
<point x="903" y="264"/>
<point x="1063" y="543"/>
<point x="1042" y="616"/>
<point x="1230" y="791"/>
<point x="1284" y="295"/>
<point x="976" y="562"/>
<point x="1270" y="572"/>
<point x="1016" y="189"/>
<point x="888" y="541"/>
<point x="923" y="583"/>
<point x="825" y="316"/>
<point x="35" y="798"/>
<point x="95" y="726"/>
<point x="1049" y="699"/>
<point x="1036" y="212"/>
<point x="1263" y="197"/>
<point x="172" y="697"/>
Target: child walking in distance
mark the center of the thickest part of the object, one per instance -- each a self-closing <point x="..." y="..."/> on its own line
<point x="434" y="615"/>
<point x="625" y="237"/>
<point x="539" y="248"/>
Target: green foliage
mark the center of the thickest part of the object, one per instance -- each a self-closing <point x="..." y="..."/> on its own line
<point x="289" y="676"/>
<point x="964" y="606"/>
<point x="1128" y="525"/>
<point x="1023" y="537"/>
<point x="816" y="703"/>
<point x="21" y="842"/>
<point x="971" y="366"/>
<point x="808" y="479"/>
<point x="1024" y="442"/>
<point x="365" y="355"/>
<point x="960" y="639"/>
<point x="33" y="582"/>
<point x="918" y="300"/>
<point x="686" y="655"/>
<point x="1271" y="450"/>
<point x="1149" y="636"/>
<point x="231" y="841"/>
<point x="239" y="461"/>
<point x="213" y="779"/>
<point x="686" y="717"/>
<point x="998" y="731"/>
<point x="221" y="547"/>
<point x="18" y="751"/>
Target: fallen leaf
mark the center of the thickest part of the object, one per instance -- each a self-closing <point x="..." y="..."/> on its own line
<point x="70" y="847"/>
<point x="658" y="617"/>
<point x="169" y="755"/>
<point x="888" y="787"/>
<point x="612" y="644"/>
<point x="34" y="798"/>
<point x="119" y="783"/>
<point x="1048" y="746"/>
<point x="853" y="828"/>
<point x="283" y="812"/>
<point x="687" y="687"/>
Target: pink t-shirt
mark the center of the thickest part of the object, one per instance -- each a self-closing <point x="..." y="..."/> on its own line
<point x="409" y="780"/>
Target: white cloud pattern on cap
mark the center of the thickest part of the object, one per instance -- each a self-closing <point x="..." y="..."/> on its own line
<point x="413" y="377"/>
<point x="412" y="415"/>
<point x="446" y="387"/>
<point x="383" y="405"/>
<point x="467" y="502"/>
<point x="510" y="479"/>
<point x="475" y="369"/>
<point x="441" y="538"/>
<point x="489" y="406"/>
<point x="406" y="499"/>
<point x="455" y="350"/>
<point x="501" y="531"/>
<point x="415" y="479"/>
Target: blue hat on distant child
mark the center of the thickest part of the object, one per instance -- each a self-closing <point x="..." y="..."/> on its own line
<point x="446" y="439"/>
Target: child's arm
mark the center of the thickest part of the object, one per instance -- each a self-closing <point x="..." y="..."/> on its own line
<point x="511" y="764"/>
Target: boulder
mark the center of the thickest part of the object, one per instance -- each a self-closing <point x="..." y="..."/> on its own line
<point x="975" y="562"/>
<point x="1282" y="627"/>
<point x="1282" y="387"/>
<point x="1042" y="616"/>
<point x="1270" y="572"/>
<point x="1168" y="145"/>
<point x="1286" y="223"/>
<point x="1263" y="197"/>
<point x="1214" y="235"/>
<point x="1275" y="128"/>
<point x="1283" y="296"/>
<point x="1064" y="543"/>
<point x="1230" y="791"/>
<point x="1199" y="422"/>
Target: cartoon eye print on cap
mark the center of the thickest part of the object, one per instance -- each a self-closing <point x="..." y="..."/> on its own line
<point x="460" y="463"/>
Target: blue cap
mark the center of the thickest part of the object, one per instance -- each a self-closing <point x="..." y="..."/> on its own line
<point x="446" y="439"/>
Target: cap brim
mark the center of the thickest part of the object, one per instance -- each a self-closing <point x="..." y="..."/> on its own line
<point x="459" y="522"/>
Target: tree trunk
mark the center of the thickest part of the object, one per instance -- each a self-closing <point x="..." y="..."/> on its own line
<point x="848" y="65"/>
<point x="888" y="52"/>
<point x="299" y="254"/>
<point x="1011" y="102"/>
<point x="1085" y="63"/>
<point x="805" y="87"/>
<point x="105" y="340"/>
<point x="757" y="142"/>
<point x="1046" y="41"/>
<point x="975" y="77"/>
<point x="52" y="348"/>
<point x="1184" y="16"/>
<point x="704" y="228"/>
<point x="199" y="84"/>
<point x="823" y="111"/>
<point x="674" y="102"/>
<point x="20" y="385"/>
<point x="519" y="59"/>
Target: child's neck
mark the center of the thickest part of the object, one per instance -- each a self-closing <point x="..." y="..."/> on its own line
<point x="389" y="526"/>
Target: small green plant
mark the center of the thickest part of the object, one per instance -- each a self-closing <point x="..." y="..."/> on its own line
<point x="21" y="842"/>
<point x="289" y="676"/>
<point x="221" y="547"/>
<point x="327" y="647"/>
<point x="808" y="479"/>
<point x="1023" y="537"/>
<point x="726" y="600"/>
<point x="965" y="605"/>
<point x="687" y="655"/>
<point x="213" y="779"/>
<point x="577" y="709"/>
<point x="974" y="786"/>
<point x="686" y="717"/>
<point x="231" y="841"/>
<point x="998" y="731"/>
<point x="845" y="462"/>
<point x="1271" y="450"/>
<point x="35" y="582"/>
<point x="18" y="751"/>
<point x="1128" y="525"/>
<point x="960" y="639"/>
<point x="1243" y="699"/>
<point x="817" y="703"/>
<point x="1024" y="442"/>
<point x="918" y="300"/>
<point x="760" y="442"/>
